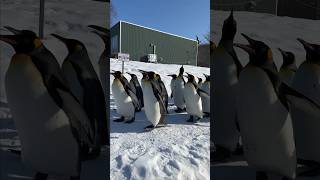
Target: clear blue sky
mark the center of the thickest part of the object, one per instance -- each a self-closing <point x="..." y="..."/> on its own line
<point x="186" y="18"/>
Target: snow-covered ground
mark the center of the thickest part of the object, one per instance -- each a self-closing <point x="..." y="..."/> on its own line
<point x="277" y="32"/>
<point x="68" y="18"/>
<point x="178" y="151"/>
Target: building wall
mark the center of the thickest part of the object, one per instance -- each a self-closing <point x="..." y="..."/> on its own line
<point x="136" y="40"/>
<point x="204" y="55"/>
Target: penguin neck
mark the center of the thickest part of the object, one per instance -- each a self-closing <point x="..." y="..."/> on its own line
<point x="226" y="42"/>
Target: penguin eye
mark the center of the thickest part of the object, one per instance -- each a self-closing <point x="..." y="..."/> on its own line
<point x="37" y="43"/>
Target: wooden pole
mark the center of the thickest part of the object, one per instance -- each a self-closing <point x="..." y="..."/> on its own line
<point x="41" y="19"/>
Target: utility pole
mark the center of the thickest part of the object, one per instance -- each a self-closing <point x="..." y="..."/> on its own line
<point x="41" y="19"/>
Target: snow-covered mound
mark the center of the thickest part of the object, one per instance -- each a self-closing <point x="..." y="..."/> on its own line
<point x="178" y="151"/>
<point x="68" y="18"/>
<point x="277" y="32"/>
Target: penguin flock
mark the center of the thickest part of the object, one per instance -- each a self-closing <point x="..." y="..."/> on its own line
<point x="59" y="112"/>
<point x="270" y="116"/>
<point x="130" y="97"/>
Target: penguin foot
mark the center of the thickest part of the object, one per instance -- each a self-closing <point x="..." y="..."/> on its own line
<point x="190" y="119"/>
<point x="179" y="110"/>
<point x="260" y="175"/>
<point x="149" y="127"/>
<point x="40" y="176"/>
<point x="138" y="110"/>
<point x="94" y="153"/>
<point x="130" y="121"/>
<point x="206" y="114"/>
<point x="119" y="120"/>
<point x="220" y="154"/>
<point x="313" y="168"/>
<point x="239" y="150"/>
<point x="16" y="152"/>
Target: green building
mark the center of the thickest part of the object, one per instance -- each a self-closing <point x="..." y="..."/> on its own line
<point x="141" y="43"/>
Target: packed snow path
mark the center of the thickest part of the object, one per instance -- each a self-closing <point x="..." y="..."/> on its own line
<point x="178" y="151"/>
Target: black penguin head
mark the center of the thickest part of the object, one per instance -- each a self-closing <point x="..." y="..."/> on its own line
<point x="157" y="76"/>
<point x="207" y="77"/>
<point x="288" y="57"/>
<point x="117" y="74"/>
<point x="73" y="45"/>
<point x="151" y="75"/>
<point x="144" y="73"/>
<point x="190" y="77"/>
<point x="174" y="76"/>
<point x="24" y="41"/>
<point x="312" y="50"/>
<point x="102" y="32"/>
<point x="181" y="71"/>
<point x="259" y="52"/>
<point x="229" y="28"/>
<point x="132" y="75"/>
<point x="200" y="80"/>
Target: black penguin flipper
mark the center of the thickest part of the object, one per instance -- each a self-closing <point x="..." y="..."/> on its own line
<point x="134" y="98"/>
<point x="236" y="61"/>
<point x="202" y="93"/>
<point x="157" y="94"/>
<point x="299" y="100"/>
<point x="79" y="121"/>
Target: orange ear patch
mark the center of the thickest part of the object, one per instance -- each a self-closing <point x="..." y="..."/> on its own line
<point x="269" y="56"/>
<point x="37" y="43"/>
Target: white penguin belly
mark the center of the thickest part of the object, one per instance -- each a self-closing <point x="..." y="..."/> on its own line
<point x="179" y="98"/>
<point x="225" y="132"/>
<point x="72" y="80"/>
<point x="265" y="125"/>
<point x="193" y="101"/>
<point x="151" y="105"/>
<point x="306" y="126"/>
<point x="125" y="106"/>
<point x="48" y="144"/>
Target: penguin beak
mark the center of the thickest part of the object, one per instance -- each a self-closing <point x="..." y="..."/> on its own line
<point x="10" y="39"/>
<point x="284" y="53"/>
<point x="231" y="15"/>
<point x="64" y="40"/>
<point x="13" y="30"/>
<point x="246" y="48"/>
<point x="306" y="45"/>
<point x="250" y="40"/>
<point x="100" y="29"/>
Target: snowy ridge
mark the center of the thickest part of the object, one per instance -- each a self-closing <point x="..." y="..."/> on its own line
<point x="178" y="151"/>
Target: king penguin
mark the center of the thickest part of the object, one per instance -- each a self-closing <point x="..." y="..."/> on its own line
<point x="172" y="84"/>
<point x="179" y="86"/>
<point x="192" y="96"/>
<point x="288" y="67"/>
<point x="52" y="125"/>
<point x="125" y="99"/>
<point x="306" y="125"/>
<point x="85" y="84"/>
<point x="136" y="88"/>
<point x="154" y="108"/>
<point x="200" y="82"/>
<point x="225" y="68"/>
<point x="263" y="114"/>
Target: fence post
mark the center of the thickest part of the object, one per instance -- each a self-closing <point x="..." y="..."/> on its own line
<point x="41" y="19"/>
